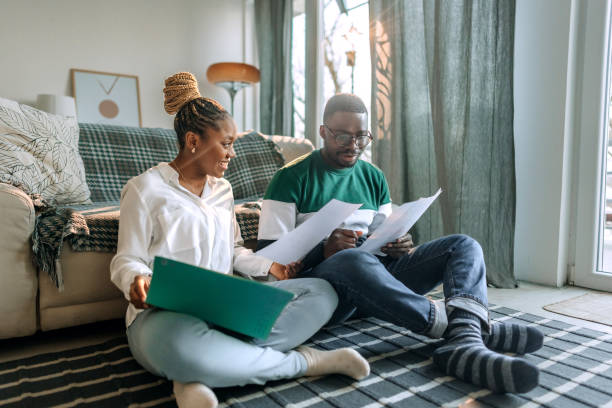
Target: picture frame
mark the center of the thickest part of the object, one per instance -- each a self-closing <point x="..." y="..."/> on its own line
<point x="105" y="97"/>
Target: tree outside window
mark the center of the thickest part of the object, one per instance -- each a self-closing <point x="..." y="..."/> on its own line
<point x="346" y="54"/>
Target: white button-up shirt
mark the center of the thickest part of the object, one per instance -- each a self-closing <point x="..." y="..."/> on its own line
<point x="161" y="217"/>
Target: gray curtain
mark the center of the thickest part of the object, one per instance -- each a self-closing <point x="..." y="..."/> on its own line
<point x="273" y="20"/>
<point x="442" y="112"/>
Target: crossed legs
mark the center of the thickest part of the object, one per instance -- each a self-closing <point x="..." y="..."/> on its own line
<point x="393" y="290"/>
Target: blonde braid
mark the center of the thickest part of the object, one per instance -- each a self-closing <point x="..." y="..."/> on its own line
<point x="180" y="89"/>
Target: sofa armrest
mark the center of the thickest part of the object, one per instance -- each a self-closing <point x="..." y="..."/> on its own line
<point x="18" y="278"/>
<point x="291" y="147"/>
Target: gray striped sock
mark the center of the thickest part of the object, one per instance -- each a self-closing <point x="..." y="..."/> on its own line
<point x="513" y="338"/>
<point x="465" y="356"/>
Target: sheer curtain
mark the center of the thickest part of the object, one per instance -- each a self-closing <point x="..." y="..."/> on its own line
<point x="273" y="20"/>
<point x="442" y="116"/>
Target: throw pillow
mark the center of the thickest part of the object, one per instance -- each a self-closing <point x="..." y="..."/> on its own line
<point x="39" y="153"/>
<point x="257" y="160"/>
<point x="114" y="154"/>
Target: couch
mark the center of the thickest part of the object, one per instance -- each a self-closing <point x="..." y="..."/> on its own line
<point x="30" y="300"/>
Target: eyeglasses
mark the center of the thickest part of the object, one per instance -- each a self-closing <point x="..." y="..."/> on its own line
<point x="342" y="138"/>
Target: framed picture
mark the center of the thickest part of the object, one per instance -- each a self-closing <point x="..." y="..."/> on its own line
<point x="103" y="97"/>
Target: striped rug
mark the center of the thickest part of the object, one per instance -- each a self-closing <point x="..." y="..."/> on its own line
<point x="575" y="364"/>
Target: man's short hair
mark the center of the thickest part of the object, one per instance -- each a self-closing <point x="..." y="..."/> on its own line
<point x="344" y="102"/>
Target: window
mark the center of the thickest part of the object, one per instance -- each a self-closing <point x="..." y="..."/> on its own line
<point x="346" y="54"/>
<point x="298" y="55"/>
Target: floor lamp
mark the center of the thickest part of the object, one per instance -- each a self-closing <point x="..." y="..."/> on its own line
<point x="232" y="76"/>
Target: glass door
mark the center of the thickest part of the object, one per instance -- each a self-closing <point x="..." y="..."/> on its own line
<point x="604" y="253"/>
<point x="593" y="263"/>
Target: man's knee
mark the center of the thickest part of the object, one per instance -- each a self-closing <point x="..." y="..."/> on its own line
<point x="467" y="244"/>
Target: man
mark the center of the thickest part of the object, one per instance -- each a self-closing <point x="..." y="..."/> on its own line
<point x="392" y="287"/>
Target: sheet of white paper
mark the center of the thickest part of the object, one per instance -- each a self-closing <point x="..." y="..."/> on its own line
<point x="294" y="245"/>
<point x="398" y="223"/>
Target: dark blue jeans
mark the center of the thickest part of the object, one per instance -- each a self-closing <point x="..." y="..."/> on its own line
<point x="393" y="289"/>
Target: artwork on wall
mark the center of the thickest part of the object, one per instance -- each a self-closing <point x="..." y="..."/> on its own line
<point x="103" y="97"/>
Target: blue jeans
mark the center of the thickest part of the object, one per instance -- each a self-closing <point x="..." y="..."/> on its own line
<point x="186" y="349"/>
<point x="393" y="289"/>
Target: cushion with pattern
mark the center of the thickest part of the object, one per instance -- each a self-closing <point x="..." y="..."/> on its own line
<point x="39" y="153"/>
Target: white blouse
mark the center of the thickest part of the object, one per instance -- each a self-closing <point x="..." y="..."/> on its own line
<point x="161" y="217"/>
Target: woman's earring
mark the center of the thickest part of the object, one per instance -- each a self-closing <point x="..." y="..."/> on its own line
<point x="193" y="150"/>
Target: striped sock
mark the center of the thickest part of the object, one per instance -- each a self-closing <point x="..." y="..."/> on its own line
<point x="465" y="356"/>
<point x="513" y="338"/>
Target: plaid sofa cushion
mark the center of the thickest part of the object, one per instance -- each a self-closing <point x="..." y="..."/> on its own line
<point x="247" y="216"/>
<point x="114" y="154"/>
<point x="256" y="161"/>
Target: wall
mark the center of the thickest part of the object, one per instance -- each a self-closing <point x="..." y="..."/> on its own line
<point x="543" y="139"/>
<point x="41" y="40"/>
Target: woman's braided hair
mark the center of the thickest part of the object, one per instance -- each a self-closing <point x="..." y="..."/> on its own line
<point x="193" y="112"/>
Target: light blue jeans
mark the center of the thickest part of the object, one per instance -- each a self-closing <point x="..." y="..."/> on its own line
<point x="186" y="349"/>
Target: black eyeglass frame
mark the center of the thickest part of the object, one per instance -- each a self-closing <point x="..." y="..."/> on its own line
<point x="367" y="135"/>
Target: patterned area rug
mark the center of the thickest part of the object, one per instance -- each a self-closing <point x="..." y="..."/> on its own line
<point x="575" y="364"/>
<point x="594" y="307"/>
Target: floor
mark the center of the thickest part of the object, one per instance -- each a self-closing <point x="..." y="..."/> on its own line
<point x="527" y="298"/>
<point x="531" y="298"/>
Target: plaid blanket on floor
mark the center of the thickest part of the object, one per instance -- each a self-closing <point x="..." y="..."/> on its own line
<point x="95" y="227"/>
<point x="575" y="364"/>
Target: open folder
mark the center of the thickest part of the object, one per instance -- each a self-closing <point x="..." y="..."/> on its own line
<point x="237" y="304"/>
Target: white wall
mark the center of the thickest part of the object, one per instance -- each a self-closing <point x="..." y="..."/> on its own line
<point x="41" y="40"/>
<point x="543" y="139"/>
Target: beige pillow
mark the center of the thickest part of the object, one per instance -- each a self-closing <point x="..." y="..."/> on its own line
<point x="39" y="153"/>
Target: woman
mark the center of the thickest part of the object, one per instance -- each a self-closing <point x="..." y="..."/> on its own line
<point x="184" y="210"/>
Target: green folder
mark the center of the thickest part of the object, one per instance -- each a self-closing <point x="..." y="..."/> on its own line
<point x="234" y="303"/>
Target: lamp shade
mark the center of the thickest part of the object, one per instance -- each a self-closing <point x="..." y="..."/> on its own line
<point x="232" y="72"/>
<point x="57" y="105"/>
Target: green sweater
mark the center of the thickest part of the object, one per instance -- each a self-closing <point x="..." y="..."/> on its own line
<point x="304" y="186"/>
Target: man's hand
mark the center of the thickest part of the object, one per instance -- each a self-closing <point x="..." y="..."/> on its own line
<point x="340" y="239"/>
<point x="138" y="291"/>
<point x="282" y="272"/>
<point x="401" y="246"/>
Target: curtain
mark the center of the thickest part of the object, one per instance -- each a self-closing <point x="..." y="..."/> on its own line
<point x="442" y="116"/>
<point x="273" y="20"/>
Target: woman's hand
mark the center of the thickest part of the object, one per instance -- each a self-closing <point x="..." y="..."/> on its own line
<point x="293" y="269"/>
<point x="282" y="272"/>
<point x="138" y="291"/>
